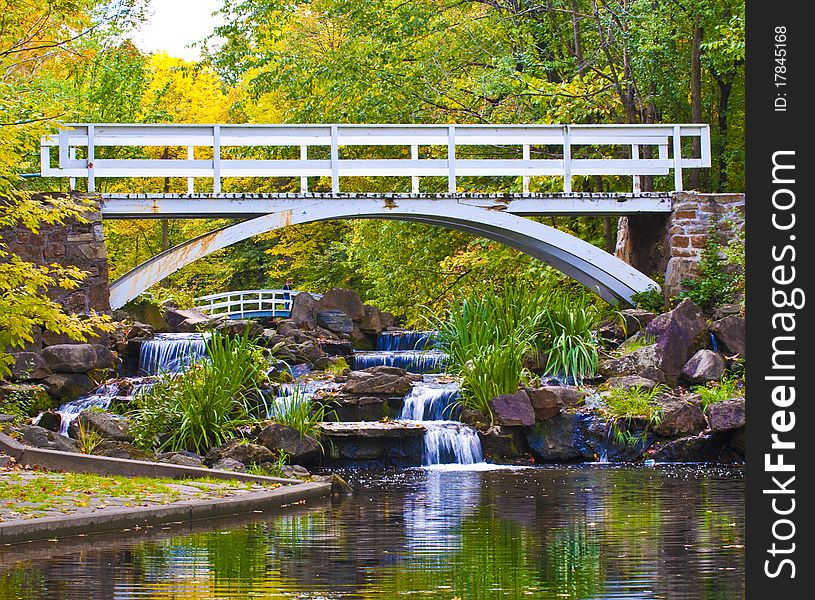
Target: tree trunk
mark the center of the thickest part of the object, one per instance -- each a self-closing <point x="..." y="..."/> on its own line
<point x="725" y="87"/>
<point x="696" y="97"/>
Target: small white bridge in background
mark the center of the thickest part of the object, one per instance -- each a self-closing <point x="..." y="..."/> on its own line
<point x="247" y="304"/>
<point x="438" y="163"/>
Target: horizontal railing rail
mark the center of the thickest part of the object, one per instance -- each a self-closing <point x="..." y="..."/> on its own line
<point x="209" y="151"/>
<point x="241" y="303"/>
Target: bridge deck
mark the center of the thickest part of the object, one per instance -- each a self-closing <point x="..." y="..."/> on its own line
<point x="180" y="206"/>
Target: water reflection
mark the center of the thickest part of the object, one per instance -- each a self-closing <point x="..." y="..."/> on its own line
<point x="555" y="533"/>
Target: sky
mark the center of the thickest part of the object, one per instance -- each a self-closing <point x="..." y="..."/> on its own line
<point x="174" y="24"/>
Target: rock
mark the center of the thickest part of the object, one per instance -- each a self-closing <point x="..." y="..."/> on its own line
<point x="5" y="461"/>
<point x="241" y="450"/>
<point x="149" y="313"/>
<point x="726" y="310"/>
<point x="679" y="334"/>
<point x="513" y="409"/>
<point x="681" y="416"/>
<point x="474" y="418"/>
<point x="628" y="382"/>
<point x="557" y="440"/>
<point x="337" y="347"/>
<point x="359" y="408"/>
<point x="229" y="464"/>
<point x="68" y="386"/>
<point x="105" y="359"/>
<point x="737" y="441"/>
<point x="726" y="415"/>
<point x="595" y="435"/>
<point x="70" y="358"/>
<point x="240" y="327"/>
<point x="291" y="471"/>
<point x="388" y="320"/>
<point x="4" y="418"/>
<point x="29" y="366"/>
<point x="109" y="426"/>
<point x="635" y="319"/>
<point x="189" y="318"/>
<point x="371" y="322"/>
<point x="140" y="331"/>
<point x="309" y="352"/>
<point x="50" y="420"/>
<point x="345" y="301"/>
<point x="304" y="311"/>
<point x="730" y="332"/>
<point x="182" y="457"/>
<point x="119" y="449"/>
<point x="549" y="400"/>
<point x="392" y="442"/>
<point x="335" y="321"/>
<point x="339" y="487"/>
<point x="38" y="437"/>
<point x="644" y="362"/>
<point x="300" y="449"/>
<point x="499" y="443"/>
<point x="703" y="366"/>
<point x="702" y="448"/>
<point x="33" y="395"/>
<point x="376" y="383"/>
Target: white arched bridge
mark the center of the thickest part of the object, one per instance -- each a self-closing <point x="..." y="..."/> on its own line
<point x="429" y="159"/>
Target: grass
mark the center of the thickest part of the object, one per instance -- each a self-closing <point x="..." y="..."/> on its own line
<point x="637" y="343"/>
<point x="487" y="333"/>
<point x="203" y="406"/>
<point x="89" y="438"/>
<point x="719" y="391"/>
<point x="624" y="406"/>
<point x="274" y="470"/>
<point x="301" y="412"/>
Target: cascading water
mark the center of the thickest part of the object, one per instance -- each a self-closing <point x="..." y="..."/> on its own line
<point x="446" y="441"/>
<point x="391" y="341"/>
<point x="413" y="361"/>
<point x="171" y="352"/>
<point x="100" y="398"/>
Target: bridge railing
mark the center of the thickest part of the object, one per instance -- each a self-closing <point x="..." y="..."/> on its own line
<point x="212" y="152"/>
<point x="242" y="303"/>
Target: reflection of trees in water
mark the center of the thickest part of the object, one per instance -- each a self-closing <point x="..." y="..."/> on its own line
<point x="573" y="533"/>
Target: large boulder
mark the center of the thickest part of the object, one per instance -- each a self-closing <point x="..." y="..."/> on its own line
<point x="68" y="386"/>
<point x="628" y="382"/>
<point x="309" y="352"/>
<point x="696" y="448"/>
<point x="635" y="319"/>
<point x="501" y="443"/>
<point x="29" y="366"/>
<point x="359" y="408"/>
<point x="105" y="359"/>
<point x="304" y="310"/>
<point x="149" y="313"/>
<point x="703" y="366"/>
<point x="70" y="358"/>
<point x="229" y="464"/>
<point x="118" y="449"/>
<point x="345" y="301"/>
<point x="730" y="334"/>
<point x="239" y="327"/>
<point x="176" y="316"/>
<point x="107" y="425"/>
<point x="182" y="457"/>
<point x="727" y="415"/>
<point x="549" y="400"/>
<point x="644" y="362"/>
<point x="50" y="420"/>
<point x="681" y="415"/>
<point x="140" y="331"/>
<point x="513" y="409"/>
<point x="300" y="449"/>
<point x="337" y="347"/>
<point x="335" y="321"/>
<point x="379" y="382"/>
<point x="558" y="439"/>
<point x="371" y="322"/>
<point x="38" y="437"/>
<point x="679" y="334"/>
<point x="240" y="450"/>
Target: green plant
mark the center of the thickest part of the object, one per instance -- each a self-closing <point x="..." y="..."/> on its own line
<point x="569" y="340"/>
<point x="300" y="411"/>
<point x="274" y="469"/>
<point x="338" y="366"/>
<point x="624" y="406"/>
<point x="89" y="438"/>
<point x="719" y="391"/>
<point x="650" y="300"/>
<point x="721" y="270"/>
<point x="636" y="343"/>
<point x="201" y="407"/>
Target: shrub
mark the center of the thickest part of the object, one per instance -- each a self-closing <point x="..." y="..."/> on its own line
<point x="201" y="407"/>
<point x="650" y="300"/>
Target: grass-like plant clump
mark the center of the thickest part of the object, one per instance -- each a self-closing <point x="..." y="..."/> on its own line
<point x="201" y="407"/>
<point x="719" y="391"/>
<point x="626" y="405"/>
<point x="300" y="411"/>
<point x="488" y="332"/>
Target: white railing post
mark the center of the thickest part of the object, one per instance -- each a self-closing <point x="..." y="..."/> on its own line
<point x="72" y="180"/>
<point x="677" y="139"/>
<point x="216" y="159"/>
<point x="414" y="181"/>
<point x="451" y="159"/>
<point x="637" y="181"/>
<point x="190" y="180"/>
<point x="526" y="156"/>
<point x="567" y="160"/>
<point x="335" y="161"/>
<point x="304" y="179"/>
<point x="91" y="159"/>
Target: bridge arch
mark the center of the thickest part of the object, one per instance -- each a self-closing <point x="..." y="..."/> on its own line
<point x="604" y="274"/>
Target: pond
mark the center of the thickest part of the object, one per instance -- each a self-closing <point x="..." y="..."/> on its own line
<point x="563" y="532"/>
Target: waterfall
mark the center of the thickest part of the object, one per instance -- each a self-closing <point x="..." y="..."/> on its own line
<point x="414" y="361"/>
<point x="405" y="340"/>
<point x="446" y="441"/>
<point x="100" y="398"/>
<point x="171" y="352"/>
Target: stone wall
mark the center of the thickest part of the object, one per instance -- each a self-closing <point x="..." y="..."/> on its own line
<point x="672" y="245"/>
